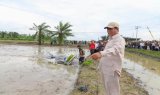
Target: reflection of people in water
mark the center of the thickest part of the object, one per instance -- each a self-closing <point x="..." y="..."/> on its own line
<point x="81" y="54"/>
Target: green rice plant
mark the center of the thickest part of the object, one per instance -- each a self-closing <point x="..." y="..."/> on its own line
<point x="88" y="62"/>
<point x="70" y="58"/>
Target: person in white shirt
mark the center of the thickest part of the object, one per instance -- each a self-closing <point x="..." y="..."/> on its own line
<point x="142" y="45"/>
<point x="111" y="59"/>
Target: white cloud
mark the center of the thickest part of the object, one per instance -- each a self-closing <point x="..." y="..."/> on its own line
<point x="85" y="15"/>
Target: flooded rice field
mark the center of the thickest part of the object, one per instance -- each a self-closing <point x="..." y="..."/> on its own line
<point x="145" y="70"/>
<point x="24" y="70"/>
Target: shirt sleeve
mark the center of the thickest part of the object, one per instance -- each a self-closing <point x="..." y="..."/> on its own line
<point x="116" y="48"/>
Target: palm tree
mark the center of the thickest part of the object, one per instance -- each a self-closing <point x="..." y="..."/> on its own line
<point x="41" y="30"/>
<point x="62" y="32"/>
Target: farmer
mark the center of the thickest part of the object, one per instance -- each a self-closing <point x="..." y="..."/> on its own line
<point x="111" y="59"/>
<point x="81" y="54"/>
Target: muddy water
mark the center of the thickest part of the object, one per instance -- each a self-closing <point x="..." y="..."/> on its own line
<point x="24" y="70"/>
<point x="148" y="63"/>
<point x="145" y="70"/>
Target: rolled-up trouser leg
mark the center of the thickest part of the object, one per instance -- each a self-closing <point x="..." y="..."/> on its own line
<point x="111" y="83"/>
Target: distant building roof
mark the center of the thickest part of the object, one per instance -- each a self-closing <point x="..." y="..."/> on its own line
<point x="128" y="39"/>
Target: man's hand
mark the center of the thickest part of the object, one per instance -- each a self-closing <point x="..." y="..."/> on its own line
<point x="96" y="55"/>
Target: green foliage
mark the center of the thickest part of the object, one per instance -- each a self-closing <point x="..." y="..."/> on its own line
<point x="41" y="31"/>
<point x="70" y="58"/>
<point x="62" y="32"/>
<point x="88" y="62"/>
<point x="59" y="36"/>
<point x="4" y="35"/>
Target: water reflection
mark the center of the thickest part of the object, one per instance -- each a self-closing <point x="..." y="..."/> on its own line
<point x="149" y="63"/>
<point x="140" y="68"/>
<point x="24" y="70"/>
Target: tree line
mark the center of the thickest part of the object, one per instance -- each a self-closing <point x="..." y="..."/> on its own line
<point x="5" y="35"/>
<point x="43" y="33"/>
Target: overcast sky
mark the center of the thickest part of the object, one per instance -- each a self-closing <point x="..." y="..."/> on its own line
<point x="88" y="17"/>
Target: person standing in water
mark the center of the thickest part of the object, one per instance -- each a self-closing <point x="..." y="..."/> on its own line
<point x="81" y="54"/>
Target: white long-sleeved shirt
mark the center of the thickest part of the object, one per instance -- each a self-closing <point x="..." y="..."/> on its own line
<point x="113" y="54"/>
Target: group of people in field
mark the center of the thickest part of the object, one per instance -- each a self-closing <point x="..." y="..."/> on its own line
<point x="93" y="47"/>
<point x="147" y="45"/>
<point x="96" y="46"/>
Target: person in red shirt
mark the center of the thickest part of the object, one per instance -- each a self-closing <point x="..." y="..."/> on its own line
<point x="92" y="47"/>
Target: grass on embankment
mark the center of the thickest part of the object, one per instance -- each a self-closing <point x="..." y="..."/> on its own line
<point x="89" y="76"/>
<point x="149" y="53"/>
